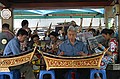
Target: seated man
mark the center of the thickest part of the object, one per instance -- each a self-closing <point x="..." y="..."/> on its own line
<point x="73" y="47"/>
<point x="13" y="48"/>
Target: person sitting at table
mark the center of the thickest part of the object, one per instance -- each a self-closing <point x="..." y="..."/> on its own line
<point x="13" y="48"/>
<point x="35" y="42"/>
<point x="112" y="45"/>
<point x="73" y="47"/>
<point x="52" y="46"/>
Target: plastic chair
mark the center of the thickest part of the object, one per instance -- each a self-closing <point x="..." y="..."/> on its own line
<point x="13" y="74"/>
<point x="43" y="72"/>
<point x="93" y="71"/>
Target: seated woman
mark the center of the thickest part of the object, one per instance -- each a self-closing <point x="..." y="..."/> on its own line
<point x="37" y="59"/>
<point x="52" y="47"/>
<point x="112" y="53"/>
<point x="112" y="44"/>
<point x="36" y="42"/>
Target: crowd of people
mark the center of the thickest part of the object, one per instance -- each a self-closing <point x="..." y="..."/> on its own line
<point x="57" y="44"/>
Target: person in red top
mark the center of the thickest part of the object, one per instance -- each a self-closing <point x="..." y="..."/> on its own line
<point x="112" y="45"/>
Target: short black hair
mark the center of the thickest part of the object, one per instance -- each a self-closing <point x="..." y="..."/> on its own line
<point x="24" y="22"/>
<point x="93" y="30"/>
<point x="5" y="25"/>
<point x="55" y="34"/>
<point x="22" y="32"/>
<point x="107" y="31"/>
<point x="34" y="36"/>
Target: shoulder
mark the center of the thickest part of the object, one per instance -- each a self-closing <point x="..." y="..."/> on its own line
<point x="64" y="42"/>
<point x="14" y="40"/>
<point x="59" y="42"/>
<point x="113" y="40"/>
<point x="79" y="43"/>
<point x="8" y="32"/>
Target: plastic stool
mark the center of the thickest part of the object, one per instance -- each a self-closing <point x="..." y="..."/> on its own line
<point x="93" y="71"/>
<point x="13" y="74"/>
<point x="43" y="72"/>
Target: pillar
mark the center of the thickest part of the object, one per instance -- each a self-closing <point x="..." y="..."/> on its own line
<point x="119" y="36"/>
<point x="10" y="20"/>
<point x="108" y="14"/>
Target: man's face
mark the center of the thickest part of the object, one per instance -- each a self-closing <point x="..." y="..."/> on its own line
<point x="71" y="35"/>
<point x="22" y="38"/>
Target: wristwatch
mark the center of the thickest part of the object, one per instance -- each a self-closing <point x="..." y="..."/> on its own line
<point x="5" y="13"/>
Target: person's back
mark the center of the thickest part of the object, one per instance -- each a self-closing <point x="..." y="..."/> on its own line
<point x="5" y="36"/>
<point x="10" y="50"/>
<point x="9" y="34"/>
<point x="7" y="31"/>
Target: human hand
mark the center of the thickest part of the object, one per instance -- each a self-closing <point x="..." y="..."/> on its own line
<point x="61" y="53"/>
<point x="82" y="54"/>
<point x="53" y="46"/>
<point x="101" y="46"/>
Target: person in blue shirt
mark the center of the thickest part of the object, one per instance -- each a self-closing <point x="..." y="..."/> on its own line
<point x="13" y="48"/>
<point x="72" y="47"/>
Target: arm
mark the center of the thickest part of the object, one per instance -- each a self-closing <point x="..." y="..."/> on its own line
<point x="15" y="47"/>
<point x="84" y="50"/>
<point x="60" y="50"/>
<point x="103" y="48"/>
